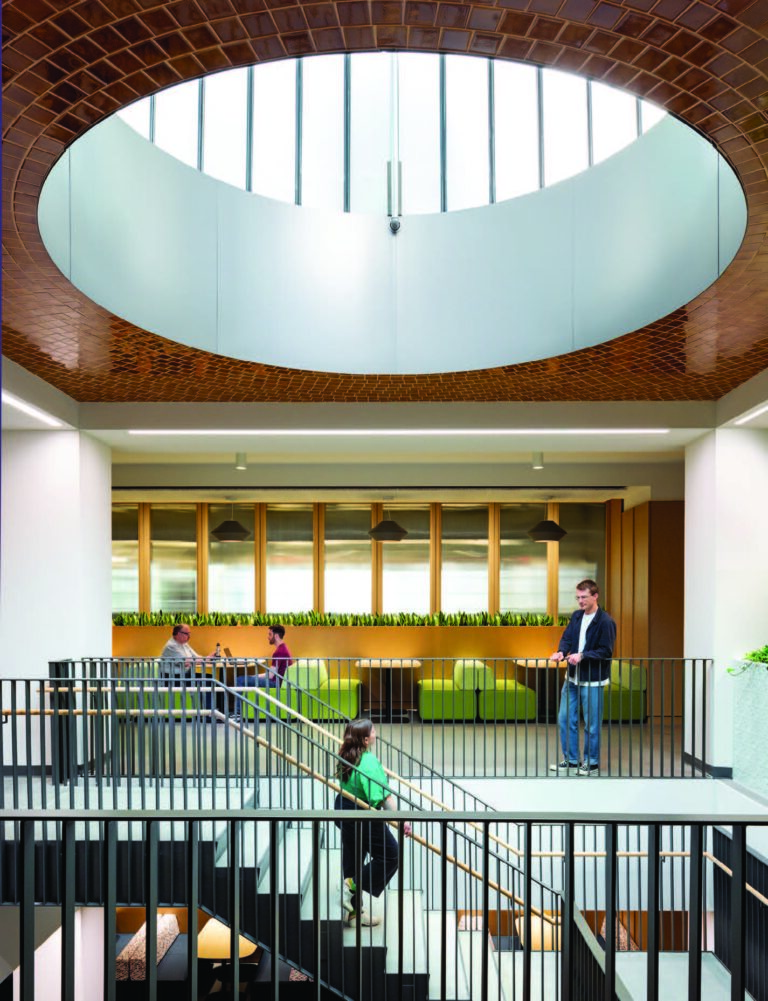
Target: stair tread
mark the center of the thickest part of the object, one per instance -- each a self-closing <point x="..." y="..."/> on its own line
<point x="471" y="950"/>
<point x="295" y="862"/>
<point x="456" y="981"/>
<point x="544" y="974"/>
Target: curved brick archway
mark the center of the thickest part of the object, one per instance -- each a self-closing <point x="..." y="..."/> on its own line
<point x="69" y="64"/>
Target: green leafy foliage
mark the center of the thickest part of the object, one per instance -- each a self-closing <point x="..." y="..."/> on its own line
<point x="312" y="618"/>
<point x="759" y="656"/>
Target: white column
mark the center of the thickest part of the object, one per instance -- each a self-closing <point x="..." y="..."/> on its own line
<point x="55" y="546"/>
<point x="726" y="565"/>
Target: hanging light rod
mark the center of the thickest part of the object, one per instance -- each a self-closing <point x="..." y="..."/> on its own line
<point x="391" y="432"/>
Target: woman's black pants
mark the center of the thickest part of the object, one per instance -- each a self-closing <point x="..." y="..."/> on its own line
<point x="380" y="850"/>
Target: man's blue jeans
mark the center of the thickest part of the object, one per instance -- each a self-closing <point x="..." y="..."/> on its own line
<point x="590" y="699"/>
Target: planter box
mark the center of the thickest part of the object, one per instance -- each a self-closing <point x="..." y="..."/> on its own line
<point x="353" y="642"/>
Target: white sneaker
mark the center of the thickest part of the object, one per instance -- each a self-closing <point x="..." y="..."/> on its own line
<point x="564" y="766"/>
<point x="346" y="898"/>
<point x="365" y="918"/>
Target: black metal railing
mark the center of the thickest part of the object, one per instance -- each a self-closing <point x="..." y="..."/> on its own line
<point x="654" y="717"/>
<point x="438" y="936"/>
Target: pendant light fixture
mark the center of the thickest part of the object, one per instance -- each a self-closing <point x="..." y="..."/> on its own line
<point x="547" y="531"/>
<point x="230" y="530"/>
<point x="387" y="531"/>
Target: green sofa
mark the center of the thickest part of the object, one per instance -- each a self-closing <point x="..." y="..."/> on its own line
<point x="625" y="697"/>
<point x="454" y="698"/>
<point x="307" y="688"/>
<point x="507" y="700"/>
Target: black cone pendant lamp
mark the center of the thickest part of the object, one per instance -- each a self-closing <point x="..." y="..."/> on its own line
<point x="230" y="530"/>
<point x="387" y="531"/>
<point x="547" y="531"/>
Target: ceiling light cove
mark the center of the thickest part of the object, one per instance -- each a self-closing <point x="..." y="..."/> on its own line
<point x="391" y="432"/>
<point x="30" y="411"/>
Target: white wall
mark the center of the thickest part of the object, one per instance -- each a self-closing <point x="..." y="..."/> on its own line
<point x="726" y="564"/>
<point x="55" y="555"/>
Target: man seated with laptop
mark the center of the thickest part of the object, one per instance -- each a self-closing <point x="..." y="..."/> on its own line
<point x="273" y="672"/>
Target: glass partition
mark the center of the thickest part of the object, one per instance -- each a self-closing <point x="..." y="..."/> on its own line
<point x="290" y="558"/>
<point x="125" y="558"/>
<point x="231" y="579"/>
<point x="523" y="562"/>
<point x="405" y="564"/>
<point x="582" y="551"/>
<point x="173" y="558"/>
<point x="348" y="552"/>
<point x="464" y="552"/>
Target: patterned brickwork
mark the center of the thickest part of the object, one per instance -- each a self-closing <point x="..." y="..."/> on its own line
<point x="69" y="63"/>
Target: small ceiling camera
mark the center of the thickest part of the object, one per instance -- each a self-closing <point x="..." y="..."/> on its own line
<point x="394" y="225"/>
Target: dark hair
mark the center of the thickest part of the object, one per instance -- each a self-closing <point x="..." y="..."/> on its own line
<point x="278" y="630"/>
<point x="177" y="629"/>
<point x="588" y="585"/>
<point x="353" y="746"/>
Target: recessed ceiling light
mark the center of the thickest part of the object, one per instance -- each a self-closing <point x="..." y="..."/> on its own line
<point x="751" y="417"/>
<point x="30" y="411"/>
<point x="392" y="432"/>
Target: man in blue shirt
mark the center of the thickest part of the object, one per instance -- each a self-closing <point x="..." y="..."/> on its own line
<point x="587" y="647"/>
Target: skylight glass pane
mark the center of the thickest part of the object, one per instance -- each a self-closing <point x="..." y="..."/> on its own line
<point x="322" y="167"/>
<point x="419" y="104"/>
<point x="225" y="101"/>
<point x="614" y="121"/>
<point x="650" y="114"/>
<point x="137" y="116"/>
<point x="274" y="130"/>
<point x="371" y="130"/>
<point x="176" y="121"/>
<point x="565" y="125"/>
<point x="516" y="125"/>
<point x="467" y="131"/>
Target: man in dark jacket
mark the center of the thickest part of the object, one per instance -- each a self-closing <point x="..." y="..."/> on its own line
<point x="587" y="647"/>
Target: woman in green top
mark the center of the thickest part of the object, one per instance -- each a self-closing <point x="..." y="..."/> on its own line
<point x="362" y="775"/>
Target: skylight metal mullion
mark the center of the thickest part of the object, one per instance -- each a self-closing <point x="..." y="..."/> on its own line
<point x="590" y="136"/>
<point x="540" y="116"/>
<point x="638" y="118"/>
<point x="491" y="134"/>
<point x="249" y="130"/>
<point x="200" y="120"/>
<point x="152" y="106"/>
<point x="299" y="127"/>
<point x="347" y="130"/>
<point x="443" y="139"/>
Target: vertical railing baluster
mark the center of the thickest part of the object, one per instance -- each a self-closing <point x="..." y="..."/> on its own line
<point x="192" y="874"/>
<point x="652" y="945"/>
<point x="27" y="911"/>
<point x="274" y="909"/>
<point x="695" y="893"/>
<point x="610" y="912"/>
<point x="234" y="903"/>
<point x="68" y="915"/>
<point x="738" y="911"/>
<point x="109" y="882"/>
<point x="527" y="898"/>
<point x="151" y="833"/>
<point x="568" y="928"/>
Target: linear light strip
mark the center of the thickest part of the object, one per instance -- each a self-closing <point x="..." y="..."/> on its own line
<point x="392" y="432"/>
<point x="30" y="411"/>
<point x="751" y="417"/>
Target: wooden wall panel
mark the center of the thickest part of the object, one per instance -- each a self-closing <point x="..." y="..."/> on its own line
<point x="624" y="620"/>
<point x="640" y="582"/>
<point x="666" y="571"/>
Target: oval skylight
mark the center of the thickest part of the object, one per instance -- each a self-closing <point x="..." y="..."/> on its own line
<point x="392" y="133"/>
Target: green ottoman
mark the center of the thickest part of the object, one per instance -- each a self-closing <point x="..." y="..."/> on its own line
<point x="440" y="699"/>
<point x="508" y="700"/>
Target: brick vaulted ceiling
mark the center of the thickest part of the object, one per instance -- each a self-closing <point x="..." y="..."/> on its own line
<point x="67" y="65"/>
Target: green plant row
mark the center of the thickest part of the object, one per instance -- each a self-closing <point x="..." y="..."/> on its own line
<point x="336" y="619"/>
<point x="759" y="656"/>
